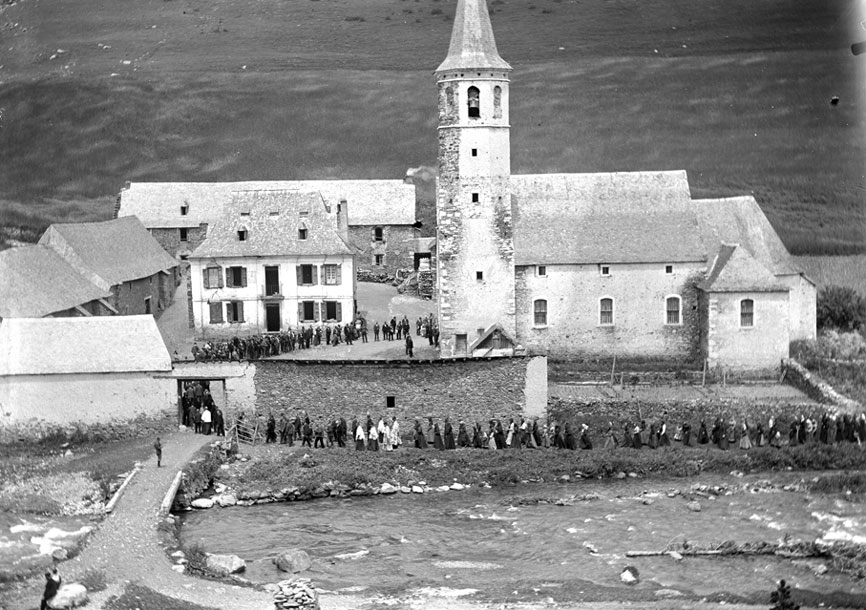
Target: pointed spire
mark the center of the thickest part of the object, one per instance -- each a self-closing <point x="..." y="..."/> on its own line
<point x="472" y="44"/>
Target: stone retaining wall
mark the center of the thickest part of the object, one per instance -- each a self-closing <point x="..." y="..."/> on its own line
<point x="471" y="390"/>
<point x="815" y="387"/>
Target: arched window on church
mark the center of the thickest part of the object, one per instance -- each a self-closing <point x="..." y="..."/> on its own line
<point x="474" y="102"/>
<point x="497" y="102"/>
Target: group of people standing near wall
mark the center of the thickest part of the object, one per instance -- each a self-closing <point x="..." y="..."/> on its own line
<point x="384" y="433"/>
<point x="200" y="412"/>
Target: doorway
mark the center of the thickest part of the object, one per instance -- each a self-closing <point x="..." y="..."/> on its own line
<point x="272" y="317"/>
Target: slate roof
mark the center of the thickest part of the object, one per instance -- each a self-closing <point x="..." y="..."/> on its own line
<point x="740" y="220"/>
<point x="626" y="217"/>
<point x="99" y="344"/>
<point x="370" y="202"/>
<point x="115" y="251"/>
<point x="735" y="270"/>
<point x="472" y="43"/>
<point x="38" y="282"/>
<point x="272" y="220"/>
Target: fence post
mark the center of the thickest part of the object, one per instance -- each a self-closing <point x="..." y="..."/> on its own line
<point x="613" y="371"/>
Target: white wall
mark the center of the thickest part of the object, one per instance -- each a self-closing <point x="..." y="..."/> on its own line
<point x="639" y="292"/>
<point x="84" y="398"/>
<point x="239" y="378"/>
<point x="761" y="346"/>
<point x="254" y="306"/>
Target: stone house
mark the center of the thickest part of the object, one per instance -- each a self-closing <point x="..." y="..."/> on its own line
<point x="38" y="283"/>
<point x="119" y="256"/>
<point x="87" y="371"/>
<point x="380" y="224"/>
<point x="594" y="264"/>
<point x="275" y="259"/>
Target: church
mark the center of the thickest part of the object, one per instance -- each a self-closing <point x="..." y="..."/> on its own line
<point x="602" y="264"/>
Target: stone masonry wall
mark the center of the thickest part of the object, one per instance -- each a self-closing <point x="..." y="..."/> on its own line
<point x="169" y="239"/>
<point x="397" y="248"/>
<point x="470" y="390"/>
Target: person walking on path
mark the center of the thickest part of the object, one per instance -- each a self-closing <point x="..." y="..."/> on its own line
<point x="157" y="446"/>
<point x="52" y="585"/>
<point x="410" y="345"/>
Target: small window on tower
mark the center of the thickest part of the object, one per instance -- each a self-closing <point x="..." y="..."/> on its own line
<point x="669" y="269"/>
<point x="479" y="275"/>
<point x="184" y="209"/>
<point x="474" y="102"/>
<point x="497" y="102"/>
<point x="302" y="233"/>
<point x="474" y="197"/>
<point x="242" y="234"/>
<point x="474" y="152"/>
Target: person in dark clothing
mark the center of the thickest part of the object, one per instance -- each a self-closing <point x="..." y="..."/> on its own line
<point x="570" y="442"/>
<point x="477" y="436"/>
<point x="157" y="446"/>
<point x="420" y="439"/>
<point x="307" y="432"/>
<point x="448" y="436"/>
<point x="499" y="435"/>
<point x="437" y="437"/>
<point x="410" y="345"/>
<point x="319" y="434"/>
<point x="687" y="434"/>
<point x="585" y="442"/>
<point x="463" y="436"/>
<point x="52" y="586"/>
<point x="703" y="437"/>
<point x="271" y="436"/>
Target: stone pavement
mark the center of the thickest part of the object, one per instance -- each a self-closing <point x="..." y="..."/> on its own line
<point x="126" y="546"/>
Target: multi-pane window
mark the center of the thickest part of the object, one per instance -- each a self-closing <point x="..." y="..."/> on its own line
<point x="378" y="260"/>
<point x="672" y="309"/>
<point x="333" y="311"/>
<point x="236" y="277"/>
<point x="307" y="311"/>
<point x="183" y="234"/>
<point x="605" y="311"/>
<point x="331" y="275"/>
<point x="235" y="311"/>
<point x="747" y="313"/>
<point x="540" y="311"/>
<point x="604" y="270"/>
<point x="213" y="277"/>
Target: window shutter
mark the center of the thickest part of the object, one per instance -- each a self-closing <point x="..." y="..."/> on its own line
<point x="300" y="275"/>
<point x="243" y="277"/>
<point x="230" y="281"/>
<point x="229" y="312"/>
<point x="322" y="278"/>
<point x="219" y="275"/>
<point x="216" y="313"/>
<point x="339" y="274"/>
<point x="240" y="311"/>
<point x="339" y="312"/>
<point x="300" y="312"/>
<point x="317" y="311"/>
<point x="314" y="274"/>
<point x="204" y="273"/>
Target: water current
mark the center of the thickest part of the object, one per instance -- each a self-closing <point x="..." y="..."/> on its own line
<point x="490" y="540"/>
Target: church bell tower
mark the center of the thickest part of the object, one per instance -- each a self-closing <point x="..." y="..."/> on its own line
<point x="475" y="244"/>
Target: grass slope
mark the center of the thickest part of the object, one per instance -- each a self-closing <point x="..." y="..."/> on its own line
<point x="738" y="93"/>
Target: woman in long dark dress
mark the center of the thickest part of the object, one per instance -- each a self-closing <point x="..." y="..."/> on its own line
<point x="570" y="442"/>
<point x="437" y="438"/>
<point x="463" y="436"/>
<point x="420" y="439"/>
<point x="478" y="436"/>
<point x="448" y="437"/>
<point x="703" y="437"/>
<point x="499" y="435"/>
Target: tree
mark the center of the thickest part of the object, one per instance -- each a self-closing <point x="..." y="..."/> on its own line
<point x="781" y="598"/>
<point x="841" y="308"/>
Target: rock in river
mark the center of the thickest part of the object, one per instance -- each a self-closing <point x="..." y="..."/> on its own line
<point x="225" y="564"/>
<point x="69" y="596"/>
<point x="630" y="575"/>
<point x="293" y="560"/>
<point x="202" y="503"/>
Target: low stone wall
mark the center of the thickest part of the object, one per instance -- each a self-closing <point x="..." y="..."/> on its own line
<point x="112" y="430"/>
<point x="813" y="386"/>
<point x="471" y="389"/>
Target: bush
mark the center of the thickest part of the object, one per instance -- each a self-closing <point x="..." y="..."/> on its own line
<point x="94" y="580"/>
<point x="840" y="307"/>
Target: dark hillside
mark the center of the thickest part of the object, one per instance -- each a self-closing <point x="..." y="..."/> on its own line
<point x="737" y="92"/>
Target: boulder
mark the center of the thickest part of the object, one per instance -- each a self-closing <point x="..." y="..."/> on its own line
<point x="70" y="595"/>
<point x="406" y="490"/>
<point x="225" y="564"/>
<point x="693" y="506"/>
<point x="293" y="560"/>
<point x="387" y="489"/>
<point x="457" y="486"/>
<point x="648" y="501"/>
<point x="178" y="568"/>
<point x="202" y="503"/>
<point x="443" y="488"/>
<point x="226" y="500"/>
<point x="629" y="575"/>
<point x="417" y="489"/>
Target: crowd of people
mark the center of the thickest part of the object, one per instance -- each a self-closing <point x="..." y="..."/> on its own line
<point x="200" y="412"/>
<point x="264" y="345"/>
<point x="384" y="433"/>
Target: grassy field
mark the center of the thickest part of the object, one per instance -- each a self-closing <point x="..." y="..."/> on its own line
<point x="848" y="271"/>
<point x="737" y="93"/>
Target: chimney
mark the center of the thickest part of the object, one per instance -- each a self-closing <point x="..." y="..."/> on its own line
<point x="343" y="219"/>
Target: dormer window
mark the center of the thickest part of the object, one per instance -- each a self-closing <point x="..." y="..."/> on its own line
<point x="184" y="209"/>
<point x="474" y="102"/>
<point x="302" y="233"/>
<point x="242" y="234"/>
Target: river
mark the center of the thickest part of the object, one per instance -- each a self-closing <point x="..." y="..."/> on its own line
<point x="492" y="541"/>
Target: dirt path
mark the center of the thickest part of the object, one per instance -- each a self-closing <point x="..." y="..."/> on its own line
<point x="126" y="546"/>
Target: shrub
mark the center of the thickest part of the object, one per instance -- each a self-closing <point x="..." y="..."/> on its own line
<point x="841" y="307"/>
<point x="781" y="598"/>
<point x="94" y="580"/>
